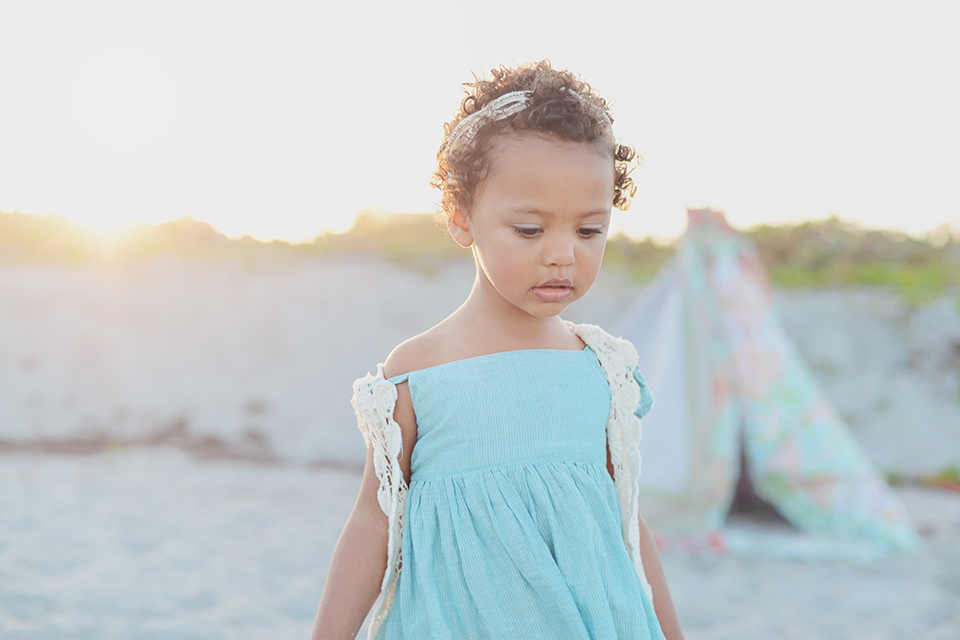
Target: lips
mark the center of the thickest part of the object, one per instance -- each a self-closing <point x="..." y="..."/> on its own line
<point x="554" y="290"/>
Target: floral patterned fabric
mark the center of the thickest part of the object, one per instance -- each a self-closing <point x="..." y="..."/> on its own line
<point x="747" y="383"/>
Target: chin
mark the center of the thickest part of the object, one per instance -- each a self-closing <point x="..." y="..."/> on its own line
<point x="549" y="309"/>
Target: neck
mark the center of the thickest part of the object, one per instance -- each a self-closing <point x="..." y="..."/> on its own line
<point x="495" y="321"/>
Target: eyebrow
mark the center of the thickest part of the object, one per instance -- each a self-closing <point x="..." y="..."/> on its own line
<point x="535" y="211"/>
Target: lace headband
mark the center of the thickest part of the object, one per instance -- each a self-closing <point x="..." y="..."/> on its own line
<point x="503" y="107"/>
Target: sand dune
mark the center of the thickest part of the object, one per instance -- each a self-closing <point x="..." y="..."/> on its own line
<point x="139" y="539"/>
<point x="257" y="360"/>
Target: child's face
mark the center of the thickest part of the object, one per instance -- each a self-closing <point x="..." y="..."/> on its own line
<point x="538" y="223"/>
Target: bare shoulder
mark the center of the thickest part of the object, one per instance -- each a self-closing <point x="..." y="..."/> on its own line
<point x="428" y="349"/>
<point x="406" y="357"/>
<point x="419" y="352"/>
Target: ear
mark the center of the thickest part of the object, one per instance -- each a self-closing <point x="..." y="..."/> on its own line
<point x="459" y="228"/>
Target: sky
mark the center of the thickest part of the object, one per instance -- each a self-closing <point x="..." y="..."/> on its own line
<point x="284" y="119"/>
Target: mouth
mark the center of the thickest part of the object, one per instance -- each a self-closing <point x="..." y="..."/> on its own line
<point x="554" y="290"/>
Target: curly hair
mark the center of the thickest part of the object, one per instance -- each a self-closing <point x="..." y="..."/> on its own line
<point x="557" y="104"/>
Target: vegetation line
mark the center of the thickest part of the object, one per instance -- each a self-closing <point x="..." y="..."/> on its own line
<point x="813" y="254"/>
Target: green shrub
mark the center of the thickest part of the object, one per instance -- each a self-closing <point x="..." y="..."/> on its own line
<point x="813" y="254"/>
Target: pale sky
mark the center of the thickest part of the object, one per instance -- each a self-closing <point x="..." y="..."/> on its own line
<point x="283" y="119"/>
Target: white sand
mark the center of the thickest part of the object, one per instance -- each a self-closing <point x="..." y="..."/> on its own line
<point x="248" y="356"/>
<point x="224" y="359"/>
<point x="150" y="544"/>
<point x="153" y="544"/>
<point x="893" y="371"/>
<point x="260" y="361"/>
<point x="913" y="596"/>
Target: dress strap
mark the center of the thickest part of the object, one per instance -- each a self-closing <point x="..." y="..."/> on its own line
<point x="374" y="400"/>
<point x="646" y="396"/>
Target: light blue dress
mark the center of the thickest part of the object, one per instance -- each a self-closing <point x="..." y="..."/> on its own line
<point x="512" y="526"/>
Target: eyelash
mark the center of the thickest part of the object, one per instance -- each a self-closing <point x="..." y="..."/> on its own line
<point x="533" y="232"/>
<point x="589" y="232"/>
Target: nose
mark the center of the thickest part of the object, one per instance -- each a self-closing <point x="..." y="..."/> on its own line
<point x="559" y="251"/>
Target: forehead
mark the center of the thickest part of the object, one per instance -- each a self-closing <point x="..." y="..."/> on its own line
<point x="531" y="142"/>
<point x="548" y="169"/>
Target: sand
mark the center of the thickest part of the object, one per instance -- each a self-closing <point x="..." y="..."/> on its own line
<point x="155" y="544"/>
<point x="178" y="452"/>
<point x="258" y="360"/>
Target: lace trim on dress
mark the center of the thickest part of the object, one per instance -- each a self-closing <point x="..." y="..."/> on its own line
<point x="374" y="399"/>
<point x="618" y="358"/>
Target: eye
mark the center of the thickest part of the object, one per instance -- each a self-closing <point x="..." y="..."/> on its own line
<point x="527" y="232"/>
<point x="589" y="232"/>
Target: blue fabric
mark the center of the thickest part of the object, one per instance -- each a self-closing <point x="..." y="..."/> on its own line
<point x="512" y="526"/>
<point x="646" y="396"/>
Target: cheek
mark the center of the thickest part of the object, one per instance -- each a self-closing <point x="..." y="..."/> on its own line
<point x="509" y="264"/>
<point x="591" y="263"/>
<point x="506" y="263"/>
<point x="594" y="254"/>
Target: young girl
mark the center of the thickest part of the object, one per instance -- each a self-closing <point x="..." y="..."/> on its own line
<point x="499" y="498"/>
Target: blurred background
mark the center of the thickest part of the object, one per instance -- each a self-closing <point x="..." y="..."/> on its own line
<point x="214" y="217"/>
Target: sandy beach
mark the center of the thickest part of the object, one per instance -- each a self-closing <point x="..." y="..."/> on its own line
<point x="178" y="451"/>
<point x="259" y="360"/>
<point x="152" y="543"/>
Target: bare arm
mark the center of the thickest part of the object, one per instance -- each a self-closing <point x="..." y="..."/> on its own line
<point x="360" y="558"/>
<point x="653" y="569"/>
<point x="357" y="568"/>
<point x="662" y="601"/>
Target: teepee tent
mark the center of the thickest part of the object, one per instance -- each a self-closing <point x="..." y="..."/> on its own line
<point x="728" y="379"/>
